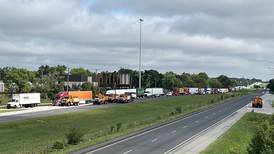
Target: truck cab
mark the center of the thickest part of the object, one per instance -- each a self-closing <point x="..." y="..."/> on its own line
<point x="257" y="102"/>
<point x="13" y="103"/>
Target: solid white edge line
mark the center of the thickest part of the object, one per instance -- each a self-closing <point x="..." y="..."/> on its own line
<point x="127" y="151"/>
<point x="126" y="139"/>
<point x="154" y="140"/>
<point x="201" y="132"/>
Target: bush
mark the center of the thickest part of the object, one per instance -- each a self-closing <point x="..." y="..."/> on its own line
<point x="112" y="128"/>
<point x="172" y="113"/>
<point x="58" y="145"/>
<point x="263" y="141"/>
<point x="222" y="97"/>
<point x="178" y="109"/>
<point x="119" y="126"/>
<point x="74" y="136"/>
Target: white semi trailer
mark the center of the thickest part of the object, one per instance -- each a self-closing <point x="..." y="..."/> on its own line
<point x="24" y="100"/>
<point x="154" y="92"/>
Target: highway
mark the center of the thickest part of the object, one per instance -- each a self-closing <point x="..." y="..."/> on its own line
<point x="61" y="110"/>
<point x="32" y="113"/>
<point x="162" y="139"/>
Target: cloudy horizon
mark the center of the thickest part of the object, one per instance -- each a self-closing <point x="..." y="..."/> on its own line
<point x="230" y="37"/>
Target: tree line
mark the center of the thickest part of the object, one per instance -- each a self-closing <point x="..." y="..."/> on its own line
<point x="49" y="80"/>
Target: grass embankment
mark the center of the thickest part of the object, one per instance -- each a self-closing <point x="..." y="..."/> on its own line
<point x="98" y="125"/>
<point x="237" y="139"/>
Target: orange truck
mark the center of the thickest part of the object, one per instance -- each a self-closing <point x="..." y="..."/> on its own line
<point x="257" y="102"/>
<point x="72" y="98"/>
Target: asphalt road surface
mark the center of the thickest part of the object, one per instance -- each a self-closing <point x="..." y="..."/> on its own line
<point x="62" y="110"/>
<point x="163" y="138"/>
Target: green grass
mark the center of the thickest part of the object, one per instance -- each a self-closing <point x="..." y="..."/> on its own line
<point x="237" y="139"/>
<point x="37" y="135"/>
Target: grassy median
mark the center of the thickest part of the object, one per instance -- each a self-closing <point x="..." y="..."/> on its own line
<point x="237" y="139"/>
<point x="98" y="125"/>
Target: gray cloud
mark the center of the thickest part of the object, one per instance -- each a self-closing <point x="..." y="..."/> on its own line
<point x="224" y="37"/>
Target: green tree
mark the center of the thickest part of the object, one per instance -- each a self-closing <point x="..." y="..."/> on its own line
<point x="214" y="83"/>
<point x="152" y="78"/>
<point x="87" y="86"/>
<point x="170" y="81"/>
<point x="20" y="78"/>
<point x="49" y="80"/>
<point x="80" y="71"/>
<point x="226" y="82"/>
<point x="271" y="85"/>
<point x="200" y="80"/>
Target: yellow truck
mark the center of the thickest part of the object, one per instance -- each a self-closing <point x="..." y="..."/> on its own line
<point x="101" y="99"/>
<point x="257" y="102"/>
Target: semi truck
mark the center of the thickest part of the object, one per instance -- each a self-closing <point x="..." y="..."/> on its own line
<point x="175" y="91"/>
<point x="134" y="93"/>
<point x="223" y="90"/>
<point x="154" y="92"/>
<point x="24" y="100"/>
<point x="193" y="91"/>
<point x="72" y="98"/>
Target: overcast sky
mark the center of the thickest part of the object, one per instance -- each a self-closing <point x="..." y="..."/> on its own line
<point x="231" y="37"/>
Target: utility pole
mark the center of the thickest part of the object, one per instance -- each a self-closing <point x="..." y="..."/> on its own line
<point x="96" y="81"/>
<point x="68" y="81"/>
<point x="140" y="54"/>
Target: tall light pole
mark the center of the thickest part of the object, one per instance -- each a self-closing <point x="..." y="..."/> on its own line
<point x="68" y="80"/>
<point x="140" y="54"/>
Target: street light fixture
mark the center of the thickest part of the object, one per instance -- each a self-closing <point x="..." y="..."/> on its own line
<point x="140" y="54"/>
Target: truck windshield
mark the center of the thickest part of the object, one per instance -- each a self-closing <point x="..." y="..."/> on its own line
<point x="12" y="100"/>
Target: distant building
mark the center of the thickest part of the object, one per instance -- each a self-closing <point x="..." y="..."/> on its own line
<point x="78" y="80"/>
<point x="2" y="87"/>
<point x="114" y="80"/>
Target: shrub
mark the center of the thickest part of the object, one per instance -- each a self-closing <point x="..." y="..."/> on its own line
<point x="222" y="97"/>
<point x="171" y="113"/>
<point x="58" y="145"/>
<point x="112" y="128"/>
<point x="262" y="142"/>
<point x="74" y="136"/>
<point x="178" y="109"/>
<point x="119" y="126"/>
